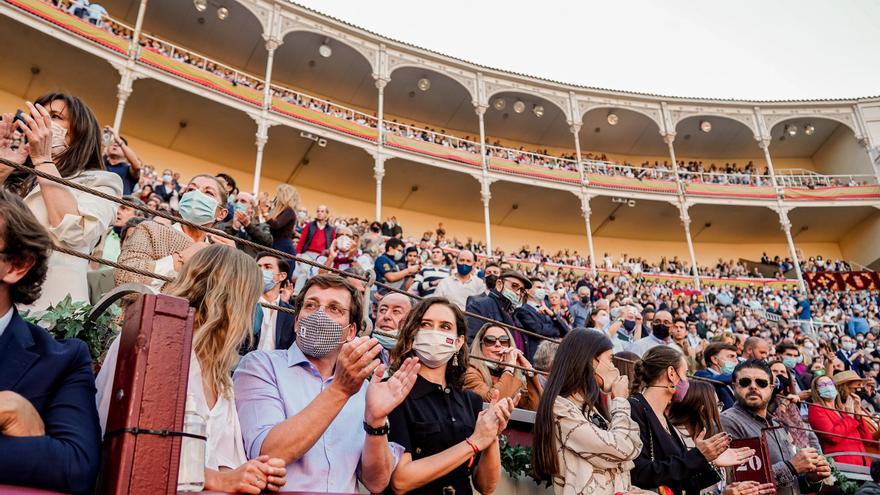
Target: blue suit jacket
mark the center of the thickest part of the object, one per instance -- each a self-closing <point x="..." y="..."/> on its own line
<point x="284" y="331"/>
<point x="725" y="394"/>
<point x="57" y="378"/>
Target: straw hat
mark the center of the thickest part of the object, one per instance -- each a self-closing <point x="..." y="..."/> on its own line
<point x="846" y="377"/>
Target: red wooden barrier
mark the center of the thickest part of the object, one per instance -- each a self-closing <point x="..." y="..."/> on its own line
<point x="149" y="392"/>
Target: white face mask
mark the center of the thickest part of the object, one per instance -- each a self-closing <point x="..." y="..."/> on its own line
<point x="609" y="374"/>
<point x="59" y="134"/>
<point x="435" y="348"/>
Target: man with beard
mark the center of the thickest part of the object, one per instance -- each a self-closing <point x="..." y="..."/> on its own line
<point x="795" y="470"/>
<point x="659" y="335"/>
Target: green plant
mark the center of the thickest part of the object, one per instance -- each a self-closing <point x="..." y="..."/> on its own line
<point x="69" y="320"/>
<point x="517" y="461"/>
<point x="846" y="485"/>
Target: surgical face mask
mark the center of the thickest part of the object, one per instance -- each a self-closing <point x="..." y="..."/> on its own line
<point x="491" y="281"/>
<point x="240" y="208"/>
<point x="512" y="296"/>
<point x="540" y="294"/>
<point x="343" y="242"/>
<point x="318" y="334"/>
<point x="602" y="322"/>
<point x="386" y="342"/>
<point x="681" y="389"/>
<point x="789" y="362"/>
<point x="268" y="280"/>
<point x="849" y="346"/>
<point x="59" y="133"/>
<point x="197" y="207"/>
<point x="828" y="391"/>
<point x="398" y="255"/>
<point x="629" y="325"/>
<point x="167" y="178"/>
<point x="464" y="270"/>
<point x="435" y="348"/>
<point x="728" y="367"/>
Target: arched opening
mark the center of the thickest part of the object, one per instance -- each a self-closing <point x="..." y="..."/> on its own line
<point x="336" y="72"/>
<point x="715" y="137"/>
<point x="806" y="145"/>
<point x="419" y="96"/>
<point x="536" y="124"/>
<point x="622" y="135"/>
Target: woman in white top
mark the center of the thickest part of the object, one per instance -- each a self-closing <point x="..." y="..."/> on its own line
<point x="63" y="139"/>
<point x="223" y="285"/>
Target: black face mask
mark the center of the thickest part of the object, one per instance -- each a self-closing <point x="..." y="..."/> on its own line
<point x="660" y="331"/>
<point x="783" y="383"/>
<point x="585" y="299"/>
<point x="490" y="281"/>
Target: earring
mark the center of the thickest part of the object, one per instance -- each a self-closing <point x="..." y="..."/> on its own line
<point x="455" y="359"/>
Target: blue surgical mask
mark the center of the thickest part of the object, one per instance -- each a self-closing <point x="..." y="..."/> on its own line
<point x="240" y="208"/>
<point x="540" y="294"/>
<point x="789" y="362"/>
<point x="268" y="280"/>
<point x="827" y="391"/>
<point x="197" y="207"/>
<point x="387" y="343"/>
<point x="728" y="367"/>
<point x="512" y="296"/>
<point x="464" y="270"/>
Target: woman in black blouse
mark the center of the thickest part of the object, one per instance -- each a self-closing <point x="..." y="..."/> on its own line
<point x="660" y="379"/>
<point x="282" y="218"/>
<point x="449" y="440"/>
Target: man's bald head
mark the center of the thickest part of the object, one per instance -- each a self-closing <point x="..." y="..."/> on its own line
<point x="392" y="310"/>
<point x="756" y="348"/>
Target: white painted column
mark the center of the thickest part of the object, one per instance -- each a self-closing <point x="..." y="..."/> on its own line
<point x="764" y="144"/>
<point x="123" y="91"/>
<point x="586" y="212"/>
<point x="486" y="195"/>
<point x="381" y="82"/>
<point x="378" y="174"/>
<point x="683" y="206"/>
<point x="262" y="137"/>
<point x="133" y="45"/>
<point x="484" y="160"/>
<point x="271" y="45"/>
<point x="575" y="130"/>
<point x="785" y="223"/>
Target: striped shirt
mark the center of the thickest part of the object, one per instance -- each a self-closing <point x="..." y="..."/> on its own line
<point x="427" y="279"/>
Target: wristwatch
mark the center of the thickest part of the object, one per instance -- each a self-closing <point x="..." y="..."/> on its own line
<point x="377" y="432"/>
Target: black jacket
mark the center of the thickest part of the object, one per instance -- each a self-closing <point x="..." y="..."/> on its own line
<point x="530" y="319"/>
<point x="284" y="331"/>
<point x="493" y="306"/>
<point x="682" y="470"/>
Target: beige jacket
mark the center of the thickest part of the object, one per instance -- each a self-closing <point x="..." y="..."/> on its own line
<point x="149" y="247"/>
<point x="67" y="274"/>
<point x="592" y="460"/>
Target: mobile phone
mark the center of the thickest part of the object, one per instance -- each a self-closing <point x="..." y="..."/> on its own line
<point x="19" y="115"/>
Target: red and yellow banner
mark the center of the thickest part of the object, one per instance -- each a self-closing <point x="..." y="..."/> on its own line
<point x="832" y="193"/>
<point x="843" y="281"/>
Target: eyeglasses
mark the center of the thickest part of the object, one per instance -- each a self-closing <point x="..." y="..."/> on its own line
<point x="489" y="340"/>
<point x="332" y="309"/>
<point x="747" y="382"/>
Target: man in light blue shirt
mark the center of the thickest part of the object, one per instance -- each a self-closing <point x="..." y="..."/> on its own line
<point x="312" y="405"/>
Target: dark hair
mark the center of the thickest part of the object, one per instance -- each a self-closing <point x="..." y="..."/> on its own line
<point x="625" y="362"/>
<point x="713" y="349"/>
<point x="393" y="243"/>
<point x="330" y="281"/>
<point x="491" y="264"/>
<point x="572" y="373"/>
<point x="699" y="408"/>
<point x="283" y="265"/>
<point x="786" y="346"/>
<point x="229" y="180"/>
<point x="25" y="241"/>
<point x="875" y="470"/>
<point x="752" y="363"/>
<point x="407" y="334"/>
<point x="84" y="152"/>
<point x="654" y="364"/>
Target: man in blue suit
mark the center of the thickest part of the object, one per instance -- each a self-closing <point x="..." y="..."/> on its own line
<point x="537" y="317"/>
<point x="49" y="433"/>
<point x="499" y="304"/>
<point x="720" y="361"/>
<point x="273" y="329"/>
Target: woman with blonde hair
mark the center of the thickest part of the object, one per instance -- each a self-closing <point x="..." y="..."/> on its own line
<point x="496" y="343"/>
<point x="282" y="218"/>
<point x="223" y="285"/>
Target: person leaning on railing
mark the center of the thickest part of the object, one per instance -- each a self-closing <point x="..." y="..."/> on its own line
<point x="486" y="379"/>
<point x="60" y="136"/>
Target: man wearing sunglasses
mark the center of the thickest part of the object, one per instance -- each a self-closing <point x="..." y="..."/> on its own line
<point x="793" y="473"/>
<point x="508" y="294"/>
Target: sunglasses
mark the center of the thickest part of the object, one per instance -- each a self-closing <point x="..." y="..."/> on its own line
<point x="490" y="340"/>
<point x="759" y="382"/>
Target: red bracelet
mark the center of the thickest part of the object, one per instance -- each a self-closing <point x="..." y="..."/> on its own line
<point x="475" y="449"/>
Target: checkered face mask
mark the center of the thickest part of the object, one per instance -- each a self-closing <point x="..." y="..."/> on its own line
<point x="318" y="334"/>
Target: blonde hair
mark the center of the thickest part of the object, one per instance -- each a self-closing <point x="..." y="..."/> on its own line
<point x="477" y="351"/>
<point x="286" y="196"/>
<point x="223" y="284"/>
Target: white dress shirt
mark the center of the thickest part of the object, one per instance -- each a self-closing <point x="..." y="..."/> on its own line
<point x="5" y="319"/>
<point x="267" y="329"/>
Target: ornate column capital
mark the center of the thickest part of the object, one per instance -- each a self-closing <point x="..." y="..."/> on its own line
<point x="381" y="82"/>
<point x="668" y="137"/>
<point x="272" y="43"/>
<point x="586" y="211"/>
<point x="763" y="143"/>
<point x="486" y="190"/>
<point x="574" y="127"/>
<point x="684" y="215"/>
<point x="480" y="110"/>
<point x="784" y="221"/>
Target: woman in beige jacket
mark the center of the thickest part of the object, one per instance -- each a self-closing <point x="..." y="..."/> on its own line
<point x="583" y="445"/>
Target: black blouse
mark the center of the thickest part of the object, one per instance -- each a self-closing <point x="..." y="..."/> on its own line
<point x="432" y="419"/>
<point x="665" y="460"/>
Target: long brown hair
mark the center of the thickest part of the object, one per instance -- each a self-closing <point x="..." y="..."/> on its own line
<point x="407" y="335"/>
<point x="224" y="285"/>
<point x="698" y="411"/>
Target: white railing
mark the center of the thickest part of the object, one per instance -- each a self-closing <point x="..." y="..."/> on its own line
<point x="612" y="169"/>
<point x="818" y="180"/>
<point x="736" y="179"/>
<point x="529" y="158"/>
<point x="320" y="105"/>
<point x="430" y="136"/>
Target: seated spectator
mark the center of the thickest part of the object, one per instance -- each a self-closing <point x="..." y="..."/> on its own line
<point x="490" y="275"/>
<point x="390" y="228"/>
<point x="464" y="283"/>
<point x="387" y="271"/>
<point x="223" y="285"/>
<point x="784" y="407"/>
<point x="535" y="316"/>
<point x="661" y="379"/>
<point x="435" y="271"/>
<point x="164" y="249"/>
<point x="49" y="433"/>
<point x="659" y="335"/>
<point x="312" y="406"/>
<point x="110" y="244"/>
<point x="344" y="250"/>
<point x="486" y="379"/>
<point x="231" y="193"/>
<point x="500" y="304"/>
<point x="543" y="359"/>
<point x="756" y="348"/>
<point x="121" y="160"/>
<point x="795" y="470"/>
<point x="63" y="140"/>
<point x="450" y="443"/>
<point x="244" y="224"/>
<point x="273" y="329"/>
<point x="834" y="418"/>
<point x="581" y="442"/>
<point x="392" y="310"/>
<point x="720" y="362"/>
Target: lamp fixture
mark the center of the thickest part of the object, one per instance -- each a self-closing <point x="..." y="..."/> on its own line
<point x="424" y="84"/>
<point x="200" y="5"/>
<point x="222" y="13"/>
<point x="499" y="104"/>
<point x="705" y="126"/>
<point x="324" y="50"/>
<point x="791" y="130"/>
<point x="809" y="130"/>
<point x="538" y="110"/>
<point x="612" y="118"/>
<point x="519" y="106"/>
